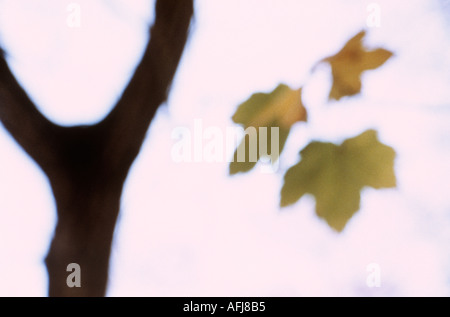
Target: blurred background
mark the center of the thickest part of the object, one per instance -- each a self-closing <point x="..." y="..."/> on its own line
<point x="188" y="229"/>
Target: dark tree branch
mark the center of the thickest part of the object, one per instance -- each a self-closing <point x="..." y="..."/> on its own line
<point x="128" y="122"/>
<point x="22" y="119"/>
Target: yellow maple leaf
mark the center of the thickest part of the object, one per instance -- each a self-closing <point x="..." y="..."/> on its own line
<point x="281" y="109"/>
<point x="349" y="63"/>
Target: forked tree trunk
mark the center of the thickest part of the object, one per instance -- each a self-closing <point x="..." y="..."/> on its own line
<point x="87" y="165"/>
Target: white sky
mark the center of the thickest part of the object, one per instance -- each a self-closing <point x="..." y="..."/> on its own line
<point x="187" y="229"/>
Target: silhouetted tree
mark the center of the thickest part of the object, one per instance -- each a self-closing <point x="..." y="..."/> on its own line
<point x="87" y="165"/>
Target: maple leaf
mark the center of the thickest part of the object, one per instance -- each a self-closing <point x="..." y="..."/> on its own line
<point x="348" y="65"/>
<point x="336" y="174"/>
<point x="279" y="109"/>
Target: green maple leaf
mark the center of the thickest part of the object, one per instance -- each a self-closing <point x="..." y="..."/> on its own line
<point x="336" y="174"/>
<point x="279" y="109"/>
<point x="350" y="62"/>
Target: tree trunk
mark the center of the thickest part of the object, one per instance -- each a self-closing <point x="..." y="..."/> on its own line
<point x="87" y="165"/>
<point x="83" y="235"/>
<point x="87" y="192"/>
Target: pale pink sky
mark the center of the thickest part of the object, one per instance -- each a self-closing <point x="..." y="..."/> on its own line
<point x="187" y="229"/>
